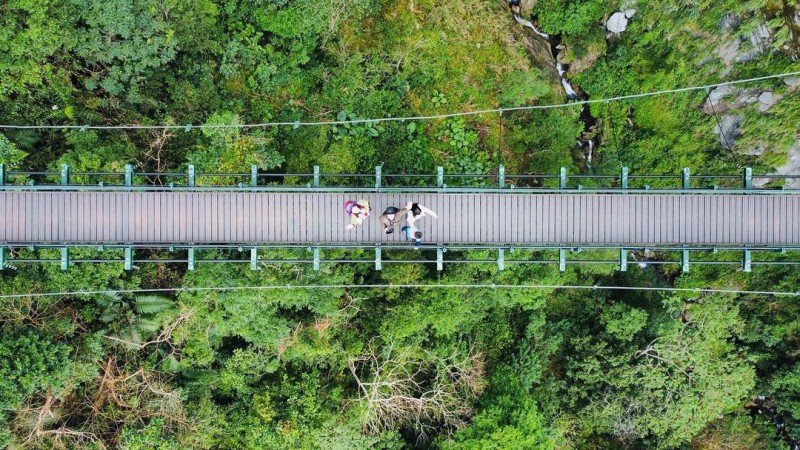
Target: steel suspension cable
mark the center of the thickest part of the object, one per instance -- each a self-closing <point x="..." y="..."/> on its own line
<point x="406" y="286"/>
<point x="728" y="144"/>
<point x="297" y="123"/>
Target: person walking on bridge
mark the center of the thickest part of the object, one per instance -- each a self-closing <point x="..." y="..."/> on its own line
<point x="358" y="211"/>
<point x="390" y="217"/>
<point x="411" y="232"/>
<point x="416" y="212"/>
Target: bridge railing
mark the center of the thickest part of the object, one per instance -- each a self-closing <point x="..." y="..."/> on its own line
<point x="262" y="256"/>
<point x="497" y="181"/>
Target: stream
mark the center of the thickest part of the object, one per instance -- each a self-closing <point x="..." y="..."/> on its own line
<point x="585" y="142"/>
<point x="763" y="406"/>
<point x="554" y="42"/>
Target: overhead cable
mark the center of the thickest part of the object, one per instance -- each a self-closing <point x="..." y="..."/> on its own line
<point x="405" y="286"/>
<point x="297" y="123"/>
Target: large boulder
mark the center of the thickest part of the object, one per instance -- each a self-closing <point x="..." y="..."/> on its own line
<point x="791" y="167"/>
<point x="758" y="150"/>
<point x="730" y="22"/>
<point x="590" y="56"/>
<point x="744" y="48"/>
<point x="727" y="97"/>
<point x="617" y="22"/>
<point x="714" y="102"/>
<point x="761" y="37"/>
<point x="728" y="130"/>
<point x="766" y="100"/>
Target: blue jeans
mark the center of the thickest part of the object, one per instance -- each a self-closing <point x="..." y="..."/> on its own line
<point x="408" y="232"/>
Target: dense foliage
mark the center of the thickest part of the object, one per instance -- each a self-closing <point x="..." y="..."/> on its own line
<point x="395" y="368"/>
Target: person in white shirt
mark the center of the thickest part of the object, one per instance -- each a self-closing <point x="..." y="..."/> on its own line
<point x="416" y="212"/>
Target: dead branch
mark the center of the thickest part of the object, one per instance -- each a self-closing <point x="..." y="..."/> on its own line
<point x="38" y="432"/>
<point x="422" y="391"/>
<point x="652" y="354"/>
<point x="164" y="337"/>
<point x="153" y="153"/>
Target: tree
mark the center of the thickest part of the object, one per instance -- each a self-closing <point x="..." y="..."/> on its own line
<point x="10" y="155"/>
<point x="122" y="44"/>
<point x="675" y="384"/>
<point x="507" y="418"/>
<point x="30" y="362"/>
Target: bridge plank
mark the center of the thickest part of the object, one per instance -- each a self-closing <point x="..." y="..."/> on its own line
<point x="40" y="219"/>
<point x="790" y="221"/>
<point x="782" y="235"/>
<point x="112" y="218"/>
<point x="773" y="216"/>
<point x="142" y="216"/>
<point x="19" y="226"/>
<point x="340" y="219"/>
<point x="161" y="217"/>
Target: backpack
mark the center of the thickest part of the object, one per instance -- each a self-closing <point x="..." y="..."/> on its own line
<point x="348" y="207"/>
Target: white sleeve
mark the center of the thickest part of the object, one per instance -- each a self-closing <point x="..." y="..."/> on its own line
<point x="428" y="212"/>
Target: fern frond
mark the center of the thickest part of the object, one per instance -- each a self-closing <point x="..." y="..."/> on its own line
<point x="151" y="304"/>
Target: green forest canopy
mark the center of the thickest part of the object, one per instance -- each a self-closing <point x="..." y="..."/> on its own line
<point x="395" y="368"/>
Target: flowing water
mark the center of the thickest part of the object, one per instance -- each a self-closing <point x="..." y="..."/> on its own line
<point x="586" y="144"/>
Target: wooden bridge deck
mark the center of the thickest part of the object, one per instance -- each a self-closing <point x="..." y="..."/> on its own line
<point x="318" y="218"/>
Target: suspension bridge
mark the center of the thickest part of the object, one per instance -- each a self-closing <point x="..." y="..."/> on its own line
<point x="128" y="212"/>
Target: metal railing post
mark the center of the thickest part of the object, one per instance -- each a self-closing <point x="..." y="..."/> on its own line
<point x="128" y="174"/>
<point x="253" y="175"/>
<point x="128" y="258"/>
<point x="562" y="259"/>
<point x="501" y="177"/>
<point x="501" y="259"/>
<point x="747" y="178"/>
<point x="439" y="259"/>
<point x="686" y="178"/>
<point x="191" y="175"/>
<point x="623" y="260"/>
<point x="316" y="258"/>
<point x="440" y="176"/>
<point x="190" y="259"/>
<point x="747" y="260"/>
<point x="316" y="177"/>
<point x="2" y="174"/>
<point x="685" y="260"/>
<point x="65" y="174"/>
<point x="2" y="258"/>
<point x="378" y="259"/>
<point x="64" y="258"/>
<point x="623" y="178"/>
<point x="378" y="170"/>
<point x="562" y="178"/>
<point x="254" y="258"/>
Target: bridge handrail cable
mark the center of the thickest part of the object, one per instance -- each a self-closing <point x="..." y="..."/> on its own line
<point x="498" y="182"/>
